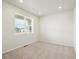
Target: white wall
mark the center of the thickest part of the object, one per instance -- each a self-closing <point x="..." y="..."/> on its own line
<point x="58" y="28"/>
<point x="10" y="39"/>
<point x="75" y="27"/>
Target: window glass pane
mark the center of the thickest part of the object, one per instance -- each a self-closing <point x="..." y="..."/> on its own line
<point x="23" y="24"/>
<point x="19" y="23"/>
<point x="29" y="21"/>
<point x="19" y="17"/>
<point x="30" y="28"/>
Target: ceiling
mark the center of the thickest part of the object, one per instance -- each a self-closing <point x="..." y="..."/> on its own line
<point x="44" y="7"/>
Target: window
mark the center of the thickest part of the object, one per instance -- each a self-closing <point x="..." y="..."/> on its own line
<point x="23" y="24"/>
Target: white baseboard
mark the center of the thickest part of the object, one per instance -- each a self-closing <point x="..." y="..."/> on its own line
<point x="17" y="47"/>
<point x="58" y="43"/>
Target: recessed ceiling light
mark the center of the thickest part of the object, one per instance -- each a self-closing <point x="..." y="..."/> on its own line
<point x="59" y="7"/>
<point x="39" y="13"/>
<point x="21" y="1"/>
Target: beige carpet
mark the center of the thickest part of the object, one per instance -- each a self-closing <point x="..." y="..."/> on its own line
<point x="41" y="50"/>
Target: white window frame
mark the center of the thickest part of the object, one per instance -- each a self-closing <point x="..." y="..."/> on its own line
<point x="26" y="17"/>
